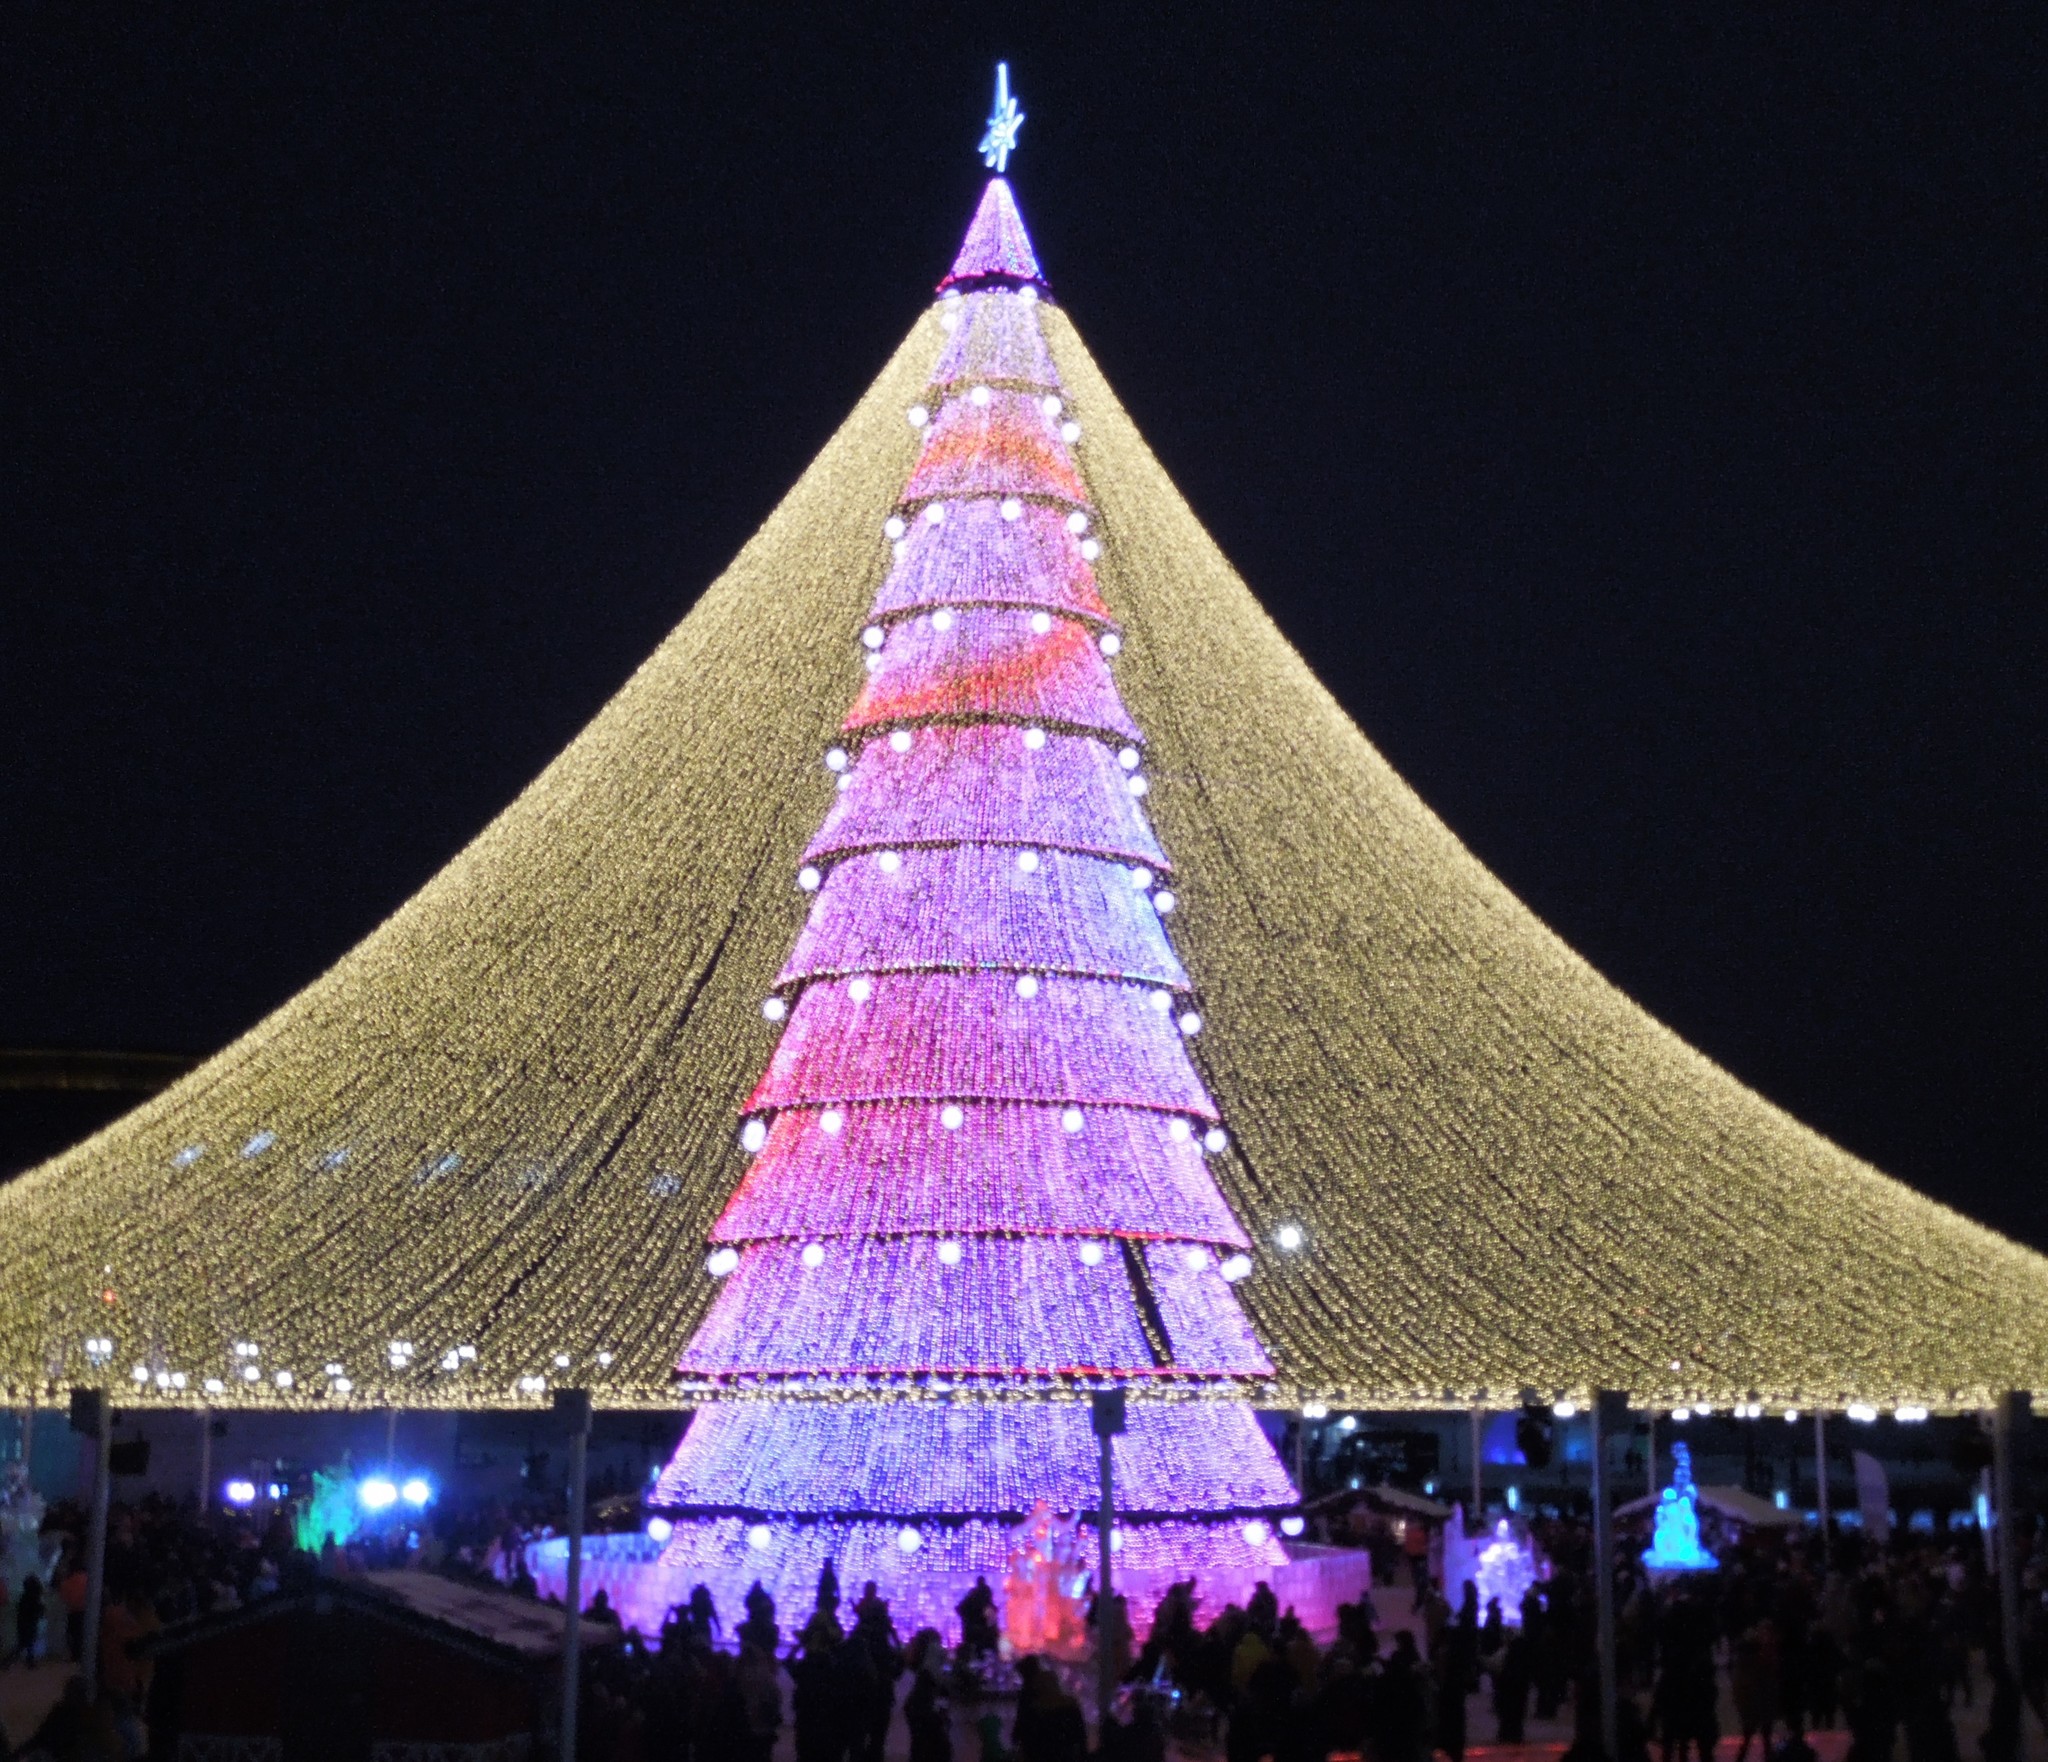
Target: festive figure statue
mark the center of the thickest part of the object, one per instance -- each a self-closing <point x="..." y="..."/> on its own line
<point x="1675" y="1543"/>
<point x="1501" y="1563"/>
<point x="23" y="1553"/>
<point x="1042" y="1603"/>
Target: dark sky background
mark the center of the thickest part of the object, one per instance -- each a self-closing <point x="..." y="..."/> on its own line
<point x="1638" y="423"/>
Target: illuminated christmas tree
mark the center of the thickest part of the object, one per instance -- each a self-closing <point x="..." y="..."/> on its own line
<point x="980" y="1150"/>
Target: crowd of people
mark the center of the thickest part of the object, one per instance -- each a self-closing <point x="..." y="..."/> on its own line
<point x="1781" y="1641"/>
<point x="1775" y="1645"/>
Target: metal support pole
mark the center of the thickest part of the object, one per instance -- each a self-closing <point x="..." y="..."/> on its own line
<point x="1301" y="1456"/>
<point x="1984" y="1509"/>
<point x="1478" y="1490"/>
<point x="1820" y="1482"/>
<point x="92" y="1414"/>
<point x="390" y="1439"/>
<point x="1107" y="1419"/>
<point x="205" y="1462"/>
<point x="1650" y="1457"/>
<point x="2005" y="1422"/>
<point x="28" y="1440"/>
<point x="572" y="1410"/>
<point x="1610" y="1414"/>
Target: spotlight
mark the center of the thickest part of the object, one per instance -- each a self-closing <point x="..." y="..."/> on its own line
<point x="416" y="1491"/>
<point x="377" y="1494"/>
<point x="659" y="1529"/>
<point x="240" y="1492"/>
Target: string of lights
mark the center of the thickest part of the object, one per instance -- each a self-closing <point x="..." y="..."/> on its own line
<point x="959" y="1460"/>
<point x="989" y="664"/>
<point x="969" y="906"/>
<point x="893" y="1169"/>
<point x="983" y="783"/>
<point x="484" y="1155"/>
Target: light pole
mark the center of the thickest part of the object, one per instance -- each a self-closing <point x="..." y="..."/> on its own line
<point x="572" y="1415"/>
<point x="1610" y="1414"/>
<point x="91" y="1415"/>
<point x="1107" y="1419"/>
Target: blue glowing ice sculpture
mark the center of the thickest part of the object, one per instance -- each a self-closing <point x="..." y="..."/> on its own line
<point x="1675" y="1545"/>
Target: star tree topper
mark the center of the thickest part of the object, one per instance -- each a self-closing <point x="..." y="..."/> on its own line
<point x="1003" y="123"/>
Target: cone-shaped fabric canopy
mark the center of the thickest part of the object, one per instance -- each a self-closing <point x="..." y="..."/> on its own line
<point x="484" y="1154"/>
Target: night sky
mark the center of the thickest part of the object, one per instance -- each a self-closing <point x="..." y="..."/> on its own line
<point x="1639" y="425"/>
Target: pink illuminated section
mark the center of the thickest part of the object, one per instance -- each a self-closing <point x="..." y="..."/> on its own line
<point x="996" y="242"/>
<point x="894" y="1168"/>
<point x="985" y="785"/>
<point x="1005" y="447"/>
<point x="992" y="664"/>
<point x="972" y="1459"/>
<point x="972" y="906"/>
<point x="924" y="1584"/>
<point x="1005" y="1308"/>
<point x="1200" y="1310"/>
<point x="995" y="336"/>
<point x="969" y="1036"/>
<point x="976" y="557"/>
